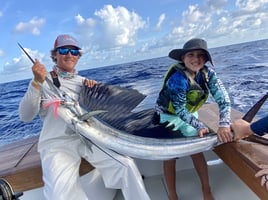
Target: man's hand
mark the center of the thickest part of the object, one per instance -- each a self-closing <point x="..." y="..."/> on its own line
<point x="39" y="71"/>
<point x="263" y="173"/>
<point x="89" y="83"/>
<point x="241" y="129"/>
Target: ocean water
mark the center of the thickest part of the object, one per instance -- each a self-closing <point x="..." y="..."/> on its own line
<point x="243" y="68"/>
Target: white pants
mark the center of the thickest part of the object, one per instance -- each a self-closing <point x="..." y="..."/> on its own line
<point x="61" y="162"/>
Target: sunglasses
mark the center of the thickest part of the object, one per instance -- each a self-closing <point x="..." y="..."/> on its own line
<point x="65" y="51"/>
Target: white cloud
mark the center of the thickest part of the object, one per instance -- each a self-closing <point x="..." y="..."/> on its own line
<point x="161" y="20"/>
<point x="195" y="22"/>
<point x="33" y="26"/>
<point x="192" y="15"/>
<point x="250" y="5"/>
<point x="87" y="22"/>
<point x="240" y="22"/>
<point x="220" y="25"/>
<point x="79" y="19"/>
<point x="85" y="30"/>
<point x="107" y="36"/>
<point x="120" y="25"/>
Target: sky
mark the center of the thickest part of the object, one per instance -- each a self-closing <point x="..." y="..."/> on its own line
<point x="121" y="31"/>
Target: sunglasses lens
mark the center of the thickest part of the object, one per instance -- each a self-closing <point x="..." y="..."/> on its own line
<point x="74" y="52"/>
<point x="65" y="51"/>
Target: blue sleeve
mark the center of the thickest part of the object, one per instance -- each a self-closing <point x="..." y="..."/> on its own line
<point x="221" y="97"/>
<point x="260" y="127"/>
<point x="177" y="87"/>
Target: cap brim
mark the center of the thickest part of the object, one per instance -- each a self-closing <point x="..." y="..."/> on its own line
<point x="66" y="45"/>
<point x="178" y="53"/>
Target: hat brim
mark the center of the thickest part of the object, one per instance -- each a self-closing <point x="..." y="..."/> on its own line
<point x="178" y="53"/>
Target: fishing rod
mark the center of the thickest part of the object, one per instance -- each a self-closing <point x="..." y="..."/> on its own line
<point x="46" y="78"/>
<point x="26" y="53"/>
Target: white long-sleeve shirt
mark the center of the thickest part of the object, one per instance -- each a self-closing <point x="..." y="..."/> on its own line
<point x="32" y="104"/>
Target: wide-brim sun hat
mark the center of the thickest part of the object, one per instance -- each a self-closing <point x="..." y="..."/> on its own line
<point x="66" y="40"/>
<point x="191" y="45"/>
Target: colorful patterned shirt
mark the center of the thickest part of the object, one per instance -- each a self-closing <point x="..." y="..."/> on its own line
<point x="177" y="87"/>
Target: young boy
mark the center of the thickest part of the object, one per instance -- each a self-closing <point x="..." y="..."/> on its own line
<point x="186" y="87"/>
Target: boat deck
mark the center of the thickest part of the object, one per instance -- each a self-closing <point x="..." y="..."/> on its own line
<point x="225" y="184"/>
<point x="20" y="164"/>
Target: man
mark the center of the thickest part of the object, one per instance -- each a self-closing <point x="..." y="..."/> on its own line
<point x="60" y="148"/>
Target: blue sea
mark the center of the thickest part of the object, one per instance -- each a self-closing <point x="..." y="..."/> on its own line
<point x="243" y="68"/>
